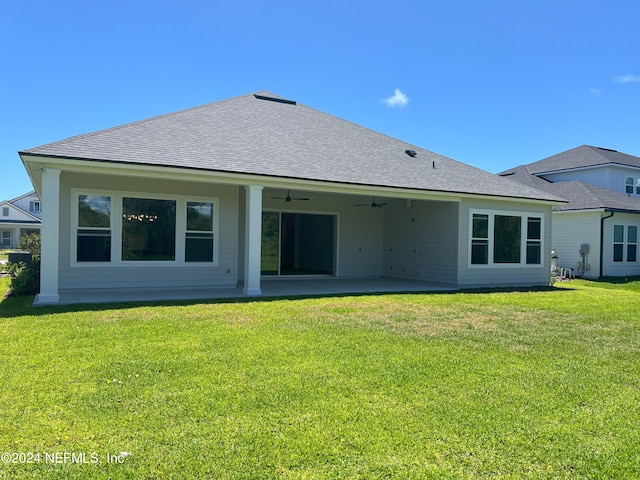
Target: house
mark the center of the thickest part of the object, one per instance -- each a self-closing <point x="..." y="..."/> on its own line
<point x="596" y="233"/>
<point x="259" y="188"/>
<point x="19" y="216"/>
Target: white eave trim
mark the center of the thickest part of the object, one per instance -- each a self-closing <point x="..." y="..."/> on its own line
<point x="221" y="177"/>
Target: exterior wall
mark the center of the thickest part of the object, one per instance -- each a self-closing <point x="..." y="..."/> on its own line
<point x="421" y="241"/>
<point x="144" y="275"/>
<point x="570" y="230"/>
<point x="608" y="177"/>
<point x="624" y="268"/>
<point x="502" y="275"/>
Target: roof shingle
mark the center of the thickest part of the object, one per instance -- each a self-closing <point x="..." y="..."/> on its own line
<point x="253" y="135"/>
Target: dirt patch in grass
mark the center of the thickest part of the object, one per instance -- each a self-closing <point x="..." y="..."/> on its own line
<point x="406" y="317"/>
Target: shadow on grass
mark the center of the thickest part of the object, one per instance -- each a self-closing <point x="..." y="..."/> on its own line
<point x="23" y="305"/>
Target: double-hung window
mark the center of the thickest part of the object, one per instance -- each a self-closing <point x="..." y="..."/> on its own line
<point x="625" y="250"/>
<point x="505" y="238"/>
<point x="632" y="243"/>
<point x="94" y="229"/>
<point x="199" y="234"/>
<point x="628" y="186"/>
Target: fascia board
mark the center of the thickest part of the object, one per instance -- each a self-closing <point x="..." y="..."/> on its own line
<point x="210" y="176"/>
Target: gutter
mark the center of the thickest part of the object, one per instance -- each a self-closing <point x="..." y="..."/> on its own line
<point x="602" y="219"/>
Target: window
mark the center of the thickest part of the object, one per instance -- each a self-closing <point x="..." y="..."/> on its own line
<point x="632" y="243"/>
<point x="628" y="187"/>
<point x="506" y="239"/>
<point x="5" y="239"/>
<point x="119" y="228"/>
<point x="34" y="206"/>
<point x="480" y="240"/>
<point x="534" y="240"/>
<point x="148" y="229"/>
<point x="5" y="211"/>
<point x="618" y="243"/>
<point x="199" y="235"/>
<point x="638" y="186"/>
<point x="94" y="229"/>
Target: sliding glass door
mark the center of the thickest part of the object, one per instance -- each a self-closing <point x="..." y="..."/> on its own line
<point x="297" y="243"/>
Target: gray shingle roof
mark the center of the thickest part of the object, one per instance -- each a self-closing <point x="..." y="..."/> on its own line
<point x="580" y="157"/>
<point x="251" y="135"/>
<point x="580" y="195"/>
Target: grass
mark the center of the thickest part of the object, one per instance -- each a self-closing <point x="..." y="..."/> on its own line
<point x="468" y="385"/>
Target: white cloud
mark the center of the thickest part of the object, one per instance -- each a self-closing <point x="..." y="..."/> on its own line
<point x="628" y="78"/>
<point x="596" y="92"/>
<point x="398" y="99"/>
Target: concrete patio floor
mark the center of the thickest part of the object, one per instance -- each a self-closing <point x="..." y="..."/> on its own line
<point x="302" y="287"/>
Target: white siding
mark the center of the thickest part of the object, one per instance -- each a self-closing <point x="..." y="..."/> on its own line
<point x="143" y="276"/>
<point x="619" y="269"/>
<point x="571" y="230"/>
<point x="503" y="275"/>
<point x="421" y="241"/>
<point x="608" y="177"/>
<point x="25" y="203"/>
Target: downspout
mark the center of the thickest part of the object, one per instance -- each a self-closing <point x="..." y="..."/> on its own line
<point x="602" y="219"/>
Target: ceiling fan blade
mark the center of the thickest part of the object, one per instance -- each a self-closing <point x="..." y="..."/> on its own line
<point x="299" y="198"/>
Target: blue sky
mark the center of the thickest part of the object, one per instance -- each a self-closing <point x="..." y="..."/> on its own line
<point x="494" y="84"/>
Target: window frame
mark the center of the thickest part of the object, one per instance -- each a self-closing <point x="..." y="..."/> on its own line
<point x="625" y="244"/>
<point x="117" y="229"/>
<point x="628" y="185"/>
<point x="524" y="238"/>
<point x="92" y="230"/>
<point x="2" y="238"/>
<point x="631" y="244"/>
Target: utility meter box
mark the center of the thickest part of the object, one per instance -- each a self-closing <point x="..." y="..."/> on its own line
<point x="584" y="249"/>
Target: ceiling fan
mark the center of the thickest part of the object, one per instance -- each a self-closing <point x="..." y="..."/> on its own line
<point x="372" y="204"/>
<point x="289" y="198"/>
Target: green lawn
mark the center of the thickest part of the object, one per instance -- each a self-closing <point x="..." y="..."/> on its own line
<point x="515" y="385"/>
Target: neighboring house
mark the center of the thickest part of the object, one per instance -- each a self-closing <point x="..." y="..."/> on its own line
<point x="259" y="187"/>
<point x="597" y="232"/>
<point x="19" y="217"/>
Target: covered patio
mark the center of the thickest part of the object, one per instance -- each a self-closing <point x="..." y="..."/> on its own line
<point x="270" y="288"/>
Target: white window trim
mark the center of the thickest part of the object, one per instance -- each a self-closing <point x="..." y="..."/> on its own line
<point x="625" y="244"/>
<point x="524" y="216"/>
<point x="116" y="229"/>
<point x="2" y="238"/>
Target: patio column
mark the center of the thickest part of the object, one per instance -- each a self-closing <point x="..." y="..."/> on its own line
<point x="252" y="239"/>
<point x="49" y="237"/>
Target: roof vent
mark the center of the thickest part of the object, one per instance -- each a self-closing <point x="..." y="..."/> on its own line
<point x="274" y="99"/>
<point x="411" y="153"/>
<point x="607" y="149"/>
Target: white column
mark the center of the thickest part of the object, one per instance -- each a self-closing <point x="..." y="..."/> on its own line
<point x="252" y="239"/>
<point x="49" y="237"/>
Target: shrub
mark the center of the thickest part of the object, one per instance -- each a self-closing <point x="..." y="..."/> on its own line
<point x="30" y="243"/>
<point x="24" y="277"/>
